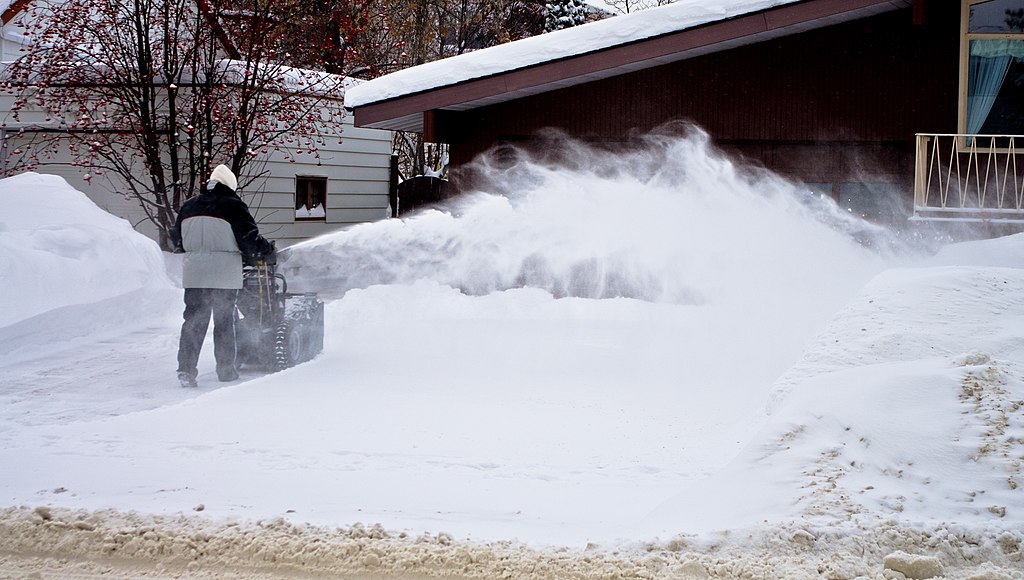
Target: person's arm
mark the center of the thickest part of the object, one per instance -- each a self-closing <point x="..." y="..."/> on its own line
<point x="175" y="235"/>
<point x="247" y="233"/>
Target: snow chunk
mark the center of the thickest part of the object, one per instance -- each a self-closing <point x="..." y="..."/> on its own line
<point x="913" y="566"/>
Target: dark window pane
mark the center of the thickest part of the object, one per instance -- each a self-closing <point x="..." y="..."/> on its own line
<point x="997" y="17"/>
<point x="310" y="198"/>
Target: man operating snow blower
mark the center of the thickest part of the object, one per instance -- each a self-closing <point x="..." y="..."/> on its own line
<point x="214" y="229"/>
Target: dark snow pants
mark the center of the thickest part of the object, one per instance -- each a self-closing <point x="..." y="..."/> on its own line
<point x="199" y="304"/>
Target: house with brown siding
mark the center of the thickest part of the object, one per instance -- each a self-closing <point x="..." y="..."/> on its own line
<point x="861" y="100"/>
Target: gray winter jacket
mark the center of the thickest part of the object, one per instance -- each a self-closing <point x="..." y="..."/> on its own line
<point x="212" y="258"/>
<point x="215" y="229"/>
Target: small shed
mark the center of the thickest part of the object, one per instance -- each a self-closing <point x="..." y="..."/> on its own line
<point x="858" y="99"/>
<point x="294" y="198"/>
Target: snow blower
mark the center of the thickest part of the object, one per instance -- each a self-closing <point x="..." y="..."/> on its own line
<point x="275" y="329"/>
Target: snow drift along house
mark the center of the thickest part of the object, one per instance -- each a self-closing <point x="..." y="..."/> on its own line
<point x="868" y="101"/>
<point x="350" y="182"/>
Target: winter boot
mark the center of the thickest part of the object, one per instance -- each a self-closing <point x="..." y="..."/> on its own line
<point x="187" y="380"/>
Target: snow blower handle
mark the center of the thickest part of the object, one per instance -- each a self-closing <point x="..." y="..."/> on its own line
<point x="259" y="258"/>
<point x="271" y="258"/>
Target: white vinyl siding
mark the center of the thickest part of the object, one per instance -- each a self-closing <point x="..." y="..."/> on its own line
<point x="358" y="172"/>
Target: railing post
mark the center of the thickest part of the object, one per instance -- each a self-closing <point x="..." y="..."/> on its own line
<point x="920" y="183"/>
<point x="1018" y="181"/>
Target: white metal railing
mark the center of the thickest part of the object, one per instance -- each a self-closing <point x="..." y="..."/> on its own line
<point x="969" y="178"/>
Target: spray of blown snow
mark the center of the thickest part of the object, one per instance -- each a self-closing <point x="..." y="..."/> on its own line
<point x="672" y="220"/>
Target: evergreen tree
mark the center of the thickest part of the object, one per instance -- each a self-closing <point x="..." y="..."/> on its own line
<point x="628" y="6"/>
<point x="564" y="14"/>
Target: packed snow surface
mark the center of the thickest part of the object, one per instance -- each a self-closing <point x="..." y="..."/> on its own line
<point x="577" y="40"/>
<point x="652" y="363"/>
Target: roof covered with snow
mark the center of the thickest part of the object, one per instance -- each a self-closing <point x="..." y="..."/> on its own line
<point x="591" y="52"/>
<point x="560" y="44"/>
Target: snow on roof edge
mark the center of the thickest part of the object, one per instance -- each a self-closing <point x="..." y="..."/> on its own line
<point x="561" y="44"/>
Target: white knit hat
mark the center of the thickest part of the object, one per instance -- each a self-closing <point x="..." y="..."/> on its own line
<point x="221" y="174"/>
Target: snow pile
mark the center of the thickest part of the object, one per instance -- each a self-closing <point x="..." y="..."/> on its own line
<point x="57" y="249"/>
<point x="911" y="399"/>
<point x="114" y="544"/>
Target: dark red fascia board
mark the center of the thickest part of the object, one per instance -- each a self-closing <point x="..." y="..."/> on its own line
<point x="605" y="60"/>
<point x="13" y="10"/>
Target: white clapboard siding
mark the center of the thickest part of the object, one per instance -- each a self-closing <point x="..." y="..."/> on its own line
<point x="358" y="174"/>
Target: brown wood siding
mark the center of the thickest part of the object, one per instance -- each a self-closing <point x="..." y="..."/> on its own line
<point x="814" y="105"/>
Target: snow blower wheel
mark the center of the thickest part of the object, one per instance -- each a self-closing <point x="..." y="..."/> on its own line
<point x="289" y="346"/>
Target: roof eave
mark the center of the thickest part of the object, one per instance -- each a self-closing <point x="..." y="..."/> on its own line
<point x="405" y="113"/>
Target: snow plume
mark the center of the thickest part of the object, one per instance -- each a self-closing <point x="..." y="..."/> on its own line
<point x="670" y="220"/>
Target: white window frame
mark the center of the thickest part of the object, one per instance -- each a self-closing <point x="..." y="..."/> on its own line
<point x="966" y="36"/>
<point x="317" y="219"/>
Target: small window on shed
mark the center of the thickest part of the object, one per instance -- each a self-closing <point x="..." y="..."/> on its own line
<point x="310" y="198"/>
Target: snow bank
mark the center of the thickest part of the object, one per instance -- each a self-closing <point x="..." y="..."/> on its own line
<point x="57" y="248"/>
<point x="114" y="544"/>
<point x="908" y="406"/>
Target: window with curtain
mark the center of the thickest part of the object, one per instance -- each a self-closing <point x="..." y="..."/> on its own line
<point x="992" y="101"/>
